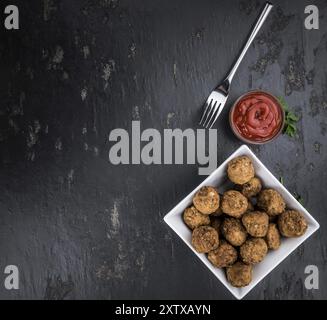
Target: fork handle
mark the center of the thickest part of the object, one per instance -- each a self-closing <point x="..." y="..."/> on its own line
<point x="263" y="16"/>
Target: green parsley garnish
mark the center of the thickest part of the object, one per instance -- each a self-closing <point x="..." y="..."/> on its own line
<point x="290" y="119"/>
<point x="299" y="198"/>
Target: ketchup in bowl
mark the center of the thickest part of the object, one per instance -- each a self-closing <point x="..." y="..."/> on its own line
<point x="257" y="117"/>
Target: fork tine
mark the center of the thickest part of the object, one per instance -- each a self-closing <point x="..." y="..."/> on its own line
<point x="205" y="110"/>
<point x="217" y="115"/>
<point x="212" y="114"/>
<point x="209" y="123"/>
<point x="209" y="114"/>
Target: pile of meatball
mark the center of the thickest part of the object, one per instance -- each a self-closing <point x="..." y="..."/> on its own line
<point x="236" y="229"/>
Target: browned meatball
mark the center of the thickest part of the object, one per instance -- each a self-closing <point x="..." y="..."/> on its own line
<point x="240" y="170"/>
<point x="206" y="200"/>
<point x="253" y="250"/>
<point x="205" y="239"/>
<point x="224" y="256"/>
<point x="251" y="188"/>
<point x="270" y="201"/>
<point x="234" y="203"/>
<point x="273" y="237"/>
<point x="216" y="223"/>
<point x="239" y="274"/>
<point x="194" y="218"/>
<point x="233" y="231"/>
<point x="291" y="223"/>
<point x="256" y="223"/>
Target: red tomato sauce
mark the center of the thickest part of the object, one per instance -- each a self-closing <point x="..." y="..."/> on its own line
<point x="258" y="116"/>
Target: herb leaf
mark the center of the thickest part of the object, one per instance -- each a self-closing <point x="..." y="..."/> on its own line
<point x="291" y="116"/>
<point x="299" y="198"/>
<point x="290" y="119"/>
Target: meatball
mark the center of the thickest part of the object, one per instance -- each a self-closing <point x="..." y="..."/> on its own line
<point x="256" y="223"/>
<point x="240" y="170"/>
<point x="253" y="250"/>
<point x="205" y="239"/>
<point x="234" y="203"/>
<point x="239" y="274"/>
<point x="273" y="237"/>
<point x="225" y="255"/>
<point x="215" y="223"/>
<point x="233" y="231"/>
<point x="291" y="223"/>
<point x="270" y="201"/>
<point x="206" y="200"/>
<point x="194" y="218"/>
<point x="251" y="188"/>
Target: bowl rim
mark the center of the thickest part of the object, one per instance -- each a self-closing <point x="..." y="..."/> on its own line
<point x="235" y="131"/>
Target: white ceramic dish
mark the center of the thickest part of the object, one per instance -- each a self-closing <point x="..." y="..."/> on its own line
<point x="219" y="178"/>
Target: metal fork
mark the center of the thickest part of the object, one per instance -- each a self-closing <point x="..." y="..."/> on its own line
<point x="217" y="99"/>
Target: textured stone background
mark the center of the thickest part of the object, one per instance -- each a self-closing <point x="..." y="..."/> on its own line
<point x="79" y="227"/>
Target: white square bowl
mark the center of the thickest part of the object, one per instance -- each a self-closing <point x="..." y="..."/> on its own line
<point x="219" y="178"/>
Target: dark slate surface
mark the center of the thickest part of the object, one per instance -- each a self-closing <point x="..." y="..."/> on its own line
<point x="79" y="227"/>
